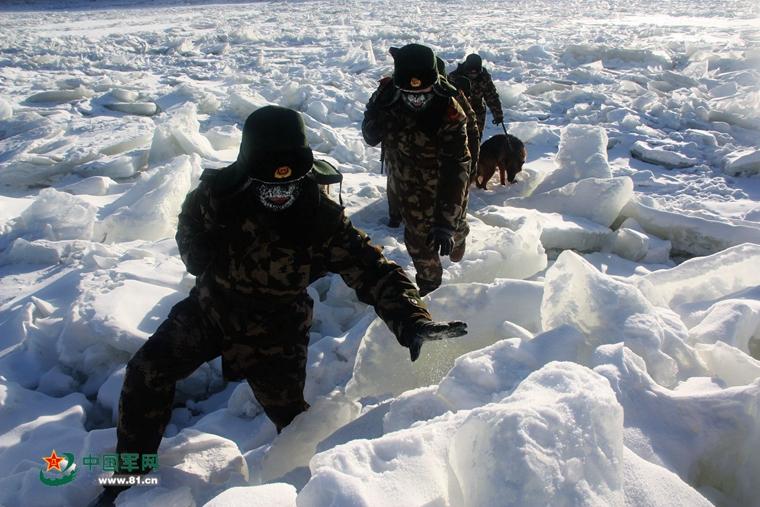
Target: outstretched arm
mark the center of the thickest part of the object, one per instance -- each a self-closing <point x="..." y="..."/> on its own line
<point x="384" y="285"/>
<point x="376" y="280"/>
<point x="492" y="99"/>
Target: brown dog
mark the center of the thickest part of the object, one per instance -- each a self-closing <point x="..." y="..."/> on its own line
<point x="504" y="151"/>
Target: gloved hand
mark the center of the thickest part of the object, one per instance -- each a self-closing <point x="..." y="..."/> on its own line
<point x="442" y="239"/>
<point x="199" y="250"/>
<point x="372" y="110"/>
<point x="385" y="95"/>
<point x="431" y="331"/>
<point x="498" y="120"/>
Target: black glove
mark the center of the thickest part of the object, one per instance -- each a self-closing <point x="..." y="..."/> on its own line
<point x="385" y="95"/>
<point x="431" y="331"/>
<point x="496" y="121"/>
<point x="372" y="111"/>
<point x="202" y="249"/>
<point x="442" y="239"/>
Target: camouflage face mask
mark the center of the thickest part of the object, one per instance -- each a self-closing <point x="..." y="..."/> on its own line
<point x="416" y="101"/>
<point x="277" y="196"/>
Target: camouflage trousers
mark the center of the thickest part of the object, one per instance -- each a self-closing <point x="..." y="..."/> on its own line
<point x="425" y="258"/>
<point x="481" y="123"/>
<point x="394" y="202"/>
<point x="463" y="230"/>
<point x="474" y="145"/>
<point x="274" y="367"/>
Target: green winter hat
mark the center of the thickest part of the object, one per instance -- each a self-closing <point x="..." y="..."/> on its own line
<point x="473" y="62"/>
<point x="414" y="67"/>
<point x="274" y="148"/>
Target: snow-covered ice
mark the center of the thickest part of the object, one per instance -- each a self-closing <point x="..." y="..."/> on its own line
<point x="612" y="292"/>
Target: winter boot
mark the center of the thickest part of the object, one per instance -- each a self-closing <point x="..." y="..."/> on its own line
<point x="426" y="287"/>
<point x="457" y="252"/>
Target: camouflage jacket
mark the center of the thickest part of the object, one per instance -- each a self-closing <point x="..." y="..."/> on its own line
<point x="428" y="155"/>
<point x="483" y="92"/>
<point x="246" y="259"/>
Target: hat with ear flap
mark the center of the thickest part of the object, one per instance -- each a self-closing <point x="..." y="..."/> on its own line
<point x="473" y="62"/>
<point x="440" y="66"/>
<point x="414" y="67"/>
<point x="274" y="148"/>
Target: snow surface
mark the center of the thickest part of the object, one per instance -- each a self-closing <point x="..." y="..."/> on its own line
<point x="612" y="292"/>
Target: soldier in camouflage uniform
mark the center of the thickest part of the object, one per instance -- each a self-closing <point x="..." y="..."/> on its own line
<point x="424" y="136"/>
<point x="482" y="90"/>
<point x="462" y="85"/>
<point x="256" y="234"/>
<point x="394" y="203"/>
<point x="473" y="143"/>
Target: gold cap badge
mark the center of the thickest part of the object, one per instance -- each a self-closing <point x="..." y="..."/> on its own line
<point x="283" y="172"/>
<point x="415" y="82"/>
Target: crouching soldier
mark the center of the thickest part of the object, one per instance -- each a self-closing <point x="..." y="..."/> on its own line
<point x="423" y="132"/>
<point x="256" y="234"/>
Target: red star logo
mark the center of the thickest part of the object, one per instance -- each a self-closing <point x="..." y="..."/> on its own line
<point x="53" y="461"/>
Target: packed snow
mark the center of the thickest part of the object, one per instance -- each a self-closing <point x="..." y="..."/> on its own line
<point x="612" y="292"/>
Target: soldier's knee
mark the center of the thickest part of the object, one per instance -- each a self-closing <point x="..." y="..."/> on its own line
<point x="145" y="369"/>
